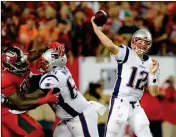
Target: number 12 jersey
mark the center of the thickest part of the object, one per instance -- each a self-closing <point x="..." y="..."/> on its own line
<point x="132" y="73"/>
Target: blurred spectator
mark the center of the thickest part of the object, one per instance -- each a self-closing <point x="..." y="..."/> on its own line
<point x="88" y="11"/>
<point x="169" y="108"/>
<point x="28" y="32"/>
<point x="171" y="8"/>
<point x="125" y="10"/>
<point x="78" y="35"/>
<point x="152" y="107"/>
<point x="50" y="12"/>
<point x="41" y="18"/>
<point x="95" y="93"/>
<point x="171" y="31"/>
<point x="64" y="14"/>
<point x="120" y="39"/>
<point x="84" y="40"/>
<point x="19" y="19"/>
<point x="95" y="6"/>
<point x="9" y="30"/>
<point x="60" y="35"/>
<point x="159" y="34"/>
<point x="47" y="31"/>
<point x="128" y="27"/>
<point x="113" y="14"/>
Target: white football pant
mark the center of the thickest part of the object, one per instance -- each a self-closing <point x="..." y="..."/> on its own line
<point x="84" y="125"/>
<point x="122" y="110"/>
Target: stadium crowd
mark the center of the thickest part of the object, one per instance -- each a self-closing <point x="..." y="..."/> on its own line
<point x="31" y="24"/>
<point x="25" y="24"/>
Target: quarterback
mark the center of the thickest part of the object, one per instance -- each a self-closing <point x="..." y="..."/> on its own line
<point x="135" y="71"/>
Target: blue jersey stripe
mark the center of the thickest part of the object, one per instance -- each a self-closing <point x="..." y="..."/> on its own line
<point x="84" y="126"/>
<point x="109" y="115"/>
<point x="118" y="81"/>
<point x="126" y="56"/>
<point x="119" y="78"/>
<point x="67" y="107"/>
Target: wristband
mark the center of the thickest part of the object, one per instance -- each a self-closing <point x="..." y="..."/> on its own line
<point x="153" y="80"/>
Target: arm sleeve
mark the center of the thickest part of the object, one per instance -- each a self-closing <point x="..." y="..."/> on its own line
<point x="120" y="57"/>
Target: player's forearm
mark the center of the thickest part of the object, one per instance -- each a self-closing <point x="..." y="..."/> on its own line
<point x="35" y="95"/>
<point x="28" y="104"/>
<point x="103" y="38"/>
<point x="107" y="43"/>
<point x="153" y="82"/>
<point x="18" y="105"/>
<point x="35" y="53"/>
<point x="154" y="90"/>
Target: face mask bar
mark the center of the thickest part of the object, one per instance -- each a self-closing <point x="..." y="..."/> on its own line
<point x="141" y="45"/>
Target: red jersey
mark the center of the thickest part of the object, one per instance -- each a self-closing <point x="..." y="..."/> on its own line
<point x="10" y="83"/>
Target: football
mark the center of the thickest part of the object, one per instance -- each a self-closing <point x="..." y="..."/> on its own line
<point x="100" y="18"/>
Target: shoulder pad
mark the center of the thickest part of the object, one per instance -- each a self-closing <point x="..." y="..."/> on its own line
<point x="51" y="81"/>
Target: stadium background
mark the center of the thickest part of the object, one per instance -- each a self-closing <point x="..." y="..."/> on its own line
<point x="31" y="24"/>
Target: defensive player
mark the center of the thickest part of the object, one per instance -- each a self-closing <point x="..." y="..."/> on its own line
<point x="15" y="96"/>
<point x="134" y="71"/>
<point x="77" y="114"/>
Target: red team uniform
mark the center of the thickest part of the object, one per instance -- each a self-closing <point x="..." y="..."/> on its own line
<point x="16" y="123"/>
<point x="15" y="84"/>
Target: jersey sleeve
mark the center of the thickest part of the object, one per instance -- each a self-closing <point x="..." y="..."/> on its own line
<point x="122" y="55"/>
<point x="8" y="87"/>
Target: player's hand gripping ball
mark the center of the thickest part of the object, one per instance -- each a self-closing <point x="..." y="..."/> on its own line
<point x="100" y="18"/>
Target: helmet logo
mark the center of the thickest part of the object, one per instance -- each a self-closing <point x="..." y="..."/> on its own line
<point x="54" y="55"/>
<point x="9" y="58"/>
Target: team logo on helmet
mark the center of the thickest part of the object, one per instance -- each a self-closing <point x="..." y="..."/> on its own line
<point x="14" y="60"/>
<point x="9" y="57"/>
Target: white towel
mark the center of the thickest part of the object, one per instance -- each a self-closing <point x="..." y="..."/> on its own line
<point x="100" y="108"/>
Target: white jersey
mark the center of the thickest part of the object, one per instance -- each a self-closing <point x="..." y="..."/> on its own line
<point x="132" y="73"/>
<point x="71" y="101"/>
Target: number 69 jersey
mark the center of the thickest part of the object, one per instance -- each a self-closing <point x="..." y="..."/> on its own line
<point x="71" y="102"/>
<point x="132" y="73"/>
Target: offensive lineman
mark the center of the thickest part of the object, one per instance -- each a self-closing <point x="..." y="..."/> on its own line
<point x="134" y="71"/>
<point x="78" y="115"/>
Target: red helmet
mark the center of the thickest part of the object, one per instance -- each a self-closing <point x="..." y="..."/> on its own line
<point x="15" y="61"/>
